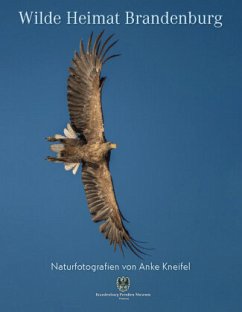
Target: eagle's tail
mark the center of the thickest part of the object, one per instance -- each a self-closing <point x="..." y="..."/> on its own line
<point x="60" y="150"/>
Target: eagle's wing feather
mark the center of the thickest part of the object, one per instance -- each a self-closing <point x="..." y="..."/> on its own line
<point x="85" y="87"/>
<point x="103" y="206"/>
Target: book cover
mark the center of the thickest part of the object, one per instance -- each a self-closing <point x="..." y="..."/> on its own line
<point x="171" y="103"/>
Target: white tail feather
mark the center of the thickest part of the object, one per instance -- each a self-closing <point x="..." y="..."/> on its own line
<point x="57" y="147"/>
<point x="74" y="171"/>
<point x="69" y="132"/>
<point x="59" y="136"/>
<point x="72" y="166"/>
<point x="70" y="129"/>
<point x="69" y="166"/>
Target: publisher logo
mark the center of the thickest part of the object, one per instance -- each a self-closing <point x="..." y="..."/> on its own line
<point x="123" y="283"/>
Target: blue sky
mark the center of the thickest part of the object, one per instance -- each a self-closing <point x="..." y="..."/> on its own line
<point x="172" y="103"/>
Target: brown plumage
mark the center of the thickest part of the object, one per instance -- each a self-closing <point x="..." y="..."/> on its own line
<point x="84" y="141"/>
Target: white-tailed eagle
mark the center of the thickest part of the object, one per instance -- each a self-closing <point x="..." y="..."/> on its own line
<point x="84" y="141"/>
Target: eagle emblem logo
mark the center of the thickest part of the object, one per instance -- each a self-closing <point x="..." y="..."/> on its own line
<point x="123" y="283"/>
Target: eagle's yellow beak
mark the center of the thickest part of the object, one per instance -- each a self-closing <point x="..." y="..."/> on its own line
<point x="113" y="145"/>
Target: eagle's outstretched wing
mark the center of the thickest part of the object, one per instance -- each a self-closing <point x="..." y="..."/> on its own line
<point x="103" y="206"/>
<point x="85" y="86"/>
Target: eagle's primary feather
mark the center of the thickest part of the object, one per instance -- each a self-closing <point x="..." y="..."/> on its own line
<point x="84" y="90"/>
<point x="90" y="146"/>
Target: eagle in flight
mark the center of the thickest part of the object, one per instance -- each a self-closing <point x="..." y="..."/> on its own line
<point x="84" y="141"/>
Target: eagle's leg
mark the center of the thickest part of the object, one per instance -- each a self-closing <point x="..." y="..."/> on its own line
<point x="54" y="159"/>
<point x="51" y="139"/>
<point x="58" y="159"/>
<point x="55" y="138"/>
